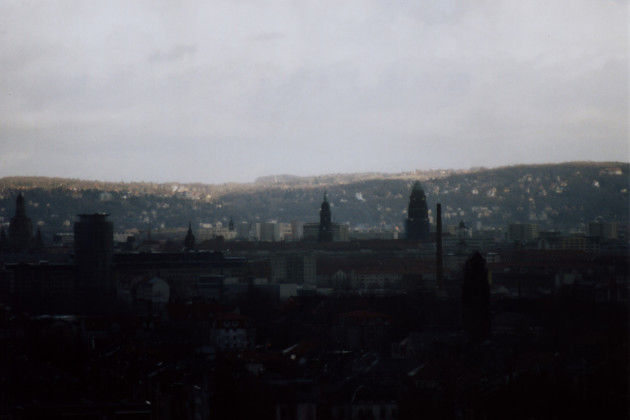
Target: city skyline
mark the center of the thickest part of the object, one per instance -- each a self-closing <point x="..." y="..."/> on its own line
<point x="225" y="92"/>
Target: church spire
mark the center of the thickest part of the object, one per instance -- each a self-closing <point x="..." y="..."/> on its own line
<point x="325" y="222"/>
<point x="189" y="241"/>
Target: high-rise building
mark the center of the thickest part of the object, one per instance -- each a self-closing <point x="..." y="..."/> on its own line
<point x="297" y="230"/>
<point x="94" y="248"/>
<point x="243" y="231"/>
<point x="417" y="224"/>
<point x="269" y="232"/>
<point x="604" y="230"/>
<point x="20" y="227"/>
<point x="519" y="232"/>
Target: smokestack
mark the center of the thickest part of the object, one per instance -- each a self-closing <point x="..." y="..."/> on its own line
<point x="438" y="258"/>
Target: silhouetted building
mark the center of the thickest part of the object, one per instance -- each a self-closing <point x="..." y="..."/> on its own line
<point x="417" y="225"/>
<point x="189" y="241"/>
<point x="191" y="275"/>
<point x="20" y="228"/>
<point x="325" y="230"/>
<point x="476" y="299"/>
<point x="325" y="222"/>
<point x="94" y="247"/>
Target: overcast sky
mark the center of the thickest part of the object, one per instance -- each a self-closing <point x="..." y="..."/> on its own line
<point x="220" y="91"/>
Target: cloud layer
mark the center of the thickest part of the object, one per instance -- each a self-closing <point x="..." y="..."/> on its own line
<point x="227" y="91"/>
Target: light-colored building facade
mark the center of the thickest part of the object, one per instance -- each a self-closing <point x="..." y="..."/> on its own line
<point x="523" y="232"/>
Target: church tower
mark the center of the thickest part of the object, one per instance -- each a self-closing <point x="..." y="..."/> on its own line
<point x="20" y="228"/>
<point x="417" y="215"/>
<point x="325" y="222"/>
<point x="189" y="240"/>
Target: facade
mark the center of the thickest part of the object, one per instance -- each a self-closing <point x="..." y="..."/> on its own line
<point x="232" y="332"/>
<point x="310" y="231"/>
<point x="190" y="275"/>
<point x="604" y="230"/>
<point x="417" y="224"/>
<point x="340" y="233"/>
<point x="151" y="296"/>
<point x="213" y="234"/>
<point x="297" y="230"/>
<point x="299" y="268"/>
<point x="269" y="232"/>
<point x="243" y="231"/>
<point x="522" y="232"/>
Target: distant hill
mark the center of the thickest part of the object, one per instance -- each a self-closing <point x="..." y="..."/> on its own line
<point x="553" y="195"/>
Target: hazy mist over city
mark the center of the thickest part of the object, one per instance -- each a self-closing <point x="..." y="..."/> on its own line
<point x="226" y="91"/>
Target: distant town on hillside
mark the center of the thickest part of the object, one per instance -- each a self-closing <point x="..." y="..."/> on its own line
<point x="564" y="197"/>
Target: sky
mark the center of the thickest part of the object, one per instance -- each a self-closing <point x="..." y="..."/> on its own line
<point x="226" y="91"/>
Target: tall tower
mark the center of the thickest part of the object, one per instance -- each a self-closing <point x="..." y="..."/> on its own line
<point x="417" y="215"/>
<point x="189" y="240"/>
<point x="325" y="222"/>
<point x="20" y="228"/>
<point x="94" y="248"/>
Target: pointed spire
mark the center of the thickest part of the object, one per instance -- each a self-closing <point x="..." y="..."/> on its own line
<point x="189" y="241"/>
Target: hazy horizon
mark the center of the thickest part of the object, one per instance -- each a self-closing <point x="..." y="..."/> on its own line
<point x="174" y="181"/>
<point x="220" y="91"/>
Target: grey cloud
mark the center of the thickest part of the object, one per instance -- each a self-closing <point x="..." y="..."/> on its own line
<point x="270" y="36"/>
<point x="309" y="88"/>
<point x="175" y="53"/>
